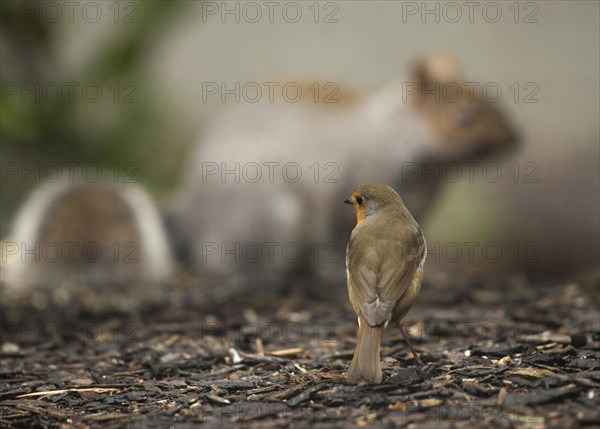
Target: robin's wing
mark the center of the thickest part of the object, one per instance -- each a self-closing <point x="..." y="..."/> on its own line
<point x="379" y="272"/>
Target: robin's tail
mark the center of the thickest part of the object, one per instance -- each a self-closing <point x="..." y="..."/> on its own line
<point x="366" y="364"/>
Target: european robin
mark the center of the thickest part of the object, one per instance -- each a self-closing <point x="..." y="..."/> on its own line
<point x="384" y="266"/>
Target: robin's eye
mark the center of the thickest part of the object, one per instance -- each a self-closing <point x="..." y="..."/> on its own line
<point x="359" y="201"/>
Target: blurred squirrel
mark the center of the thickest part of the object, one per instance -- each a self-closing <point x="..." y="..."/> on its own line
<point x="276" y="172"/>
<point x="83" y="235"/>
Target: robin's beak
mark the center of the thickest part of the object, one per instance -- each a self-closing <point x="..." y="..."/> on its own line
<point x="348" y="201"/>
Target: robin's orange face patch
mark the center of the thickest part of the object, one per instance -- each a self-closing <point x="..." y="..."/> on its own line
<point x="360" y="209"/>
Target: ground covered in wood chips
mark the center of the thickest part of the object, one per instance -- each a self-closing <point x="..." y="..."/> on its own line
<point x="495" y="354"/>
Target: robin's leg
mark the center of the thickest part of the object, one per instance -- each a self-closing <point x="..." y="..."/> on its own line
<point x="408" y="343"/>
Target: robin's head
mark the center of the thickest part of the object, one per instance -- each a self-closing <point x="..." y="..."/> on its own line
<point x="368" y="200"/>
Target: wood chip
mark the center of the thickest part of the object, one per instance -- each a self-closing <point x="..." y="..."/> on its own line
<point x="287" y="352"/>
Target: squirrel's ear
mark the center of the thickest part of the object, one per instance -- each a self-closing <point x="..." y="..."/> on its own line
<point x="441" y="67"/>
<point x="444" y="67"/>
<point x="419" y="72"/>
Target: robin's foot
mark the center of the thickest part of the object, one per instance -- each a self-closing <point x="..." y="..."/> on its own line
<point x="408" y="343"/>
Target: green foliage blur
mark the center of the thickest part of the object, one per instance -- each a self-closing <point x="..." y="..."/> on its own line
<point x="124" y="127"/>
